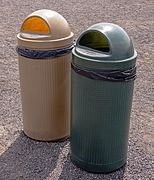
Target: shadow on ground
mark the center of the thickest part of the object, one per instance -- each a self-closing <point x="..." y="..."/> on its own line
<point x="29" y="159"/>
<point x="138" y="166"/>
<point x="74" y="173"/>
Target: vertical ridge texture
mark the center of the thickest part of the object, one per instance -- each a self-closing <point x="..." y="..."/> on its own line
<point x="100" y="121"/>
<point x="45" y="91"/>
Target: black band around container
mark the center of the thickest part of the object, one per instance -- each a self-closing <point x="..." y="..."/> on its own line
<point x="43" y="54"/>
<point x="107" y="75"/>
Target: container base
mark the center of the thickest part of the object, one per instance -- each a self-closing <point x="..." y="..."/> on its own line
<point x="58" y="139"/>
<point x="98" y="168"/>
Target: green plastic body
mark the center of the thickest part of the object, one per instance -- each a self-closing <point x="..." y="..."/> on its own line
<point x="100" y="123"/>
<point x="100" y="115"/>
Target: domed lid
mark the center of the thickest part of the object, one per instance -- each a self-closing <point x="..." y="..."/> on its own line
<point x="105" y="42"/>
<point x="45" y="28"/>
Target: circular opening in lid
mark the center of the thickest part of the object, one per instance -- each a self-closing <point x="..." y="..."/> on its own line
<point x="94" y="40"/>
<point x="36" y="25"/>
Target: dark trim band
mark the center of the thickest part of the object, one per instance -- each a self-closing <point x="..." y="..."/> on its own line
<point x="43" y="54"/>
<point x="107" y="75"/>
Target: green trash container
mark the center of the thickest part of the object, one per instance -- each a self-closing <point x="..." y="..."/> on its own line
<point x="103" y="73"/>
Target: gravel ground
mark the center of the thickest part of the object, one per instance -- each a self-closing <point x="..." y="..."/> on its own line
<point x="23" y="158"/>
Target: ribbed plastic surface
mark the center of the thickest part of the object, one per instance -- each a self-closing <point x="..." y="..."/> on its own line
<point x="100" y="123"/>
<point x="45" y="91"/>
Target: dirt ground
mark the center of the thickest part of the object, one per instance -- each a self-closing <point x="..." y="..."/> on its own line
<point x="23" y="158"/>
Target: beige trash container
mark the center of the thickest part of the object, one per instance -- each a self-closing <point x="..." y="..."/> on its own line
<point x="44" y="52"/>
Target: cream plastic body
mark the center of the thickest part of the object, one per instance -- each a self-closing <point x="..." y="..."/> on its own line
<point x="45" y="83"/>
